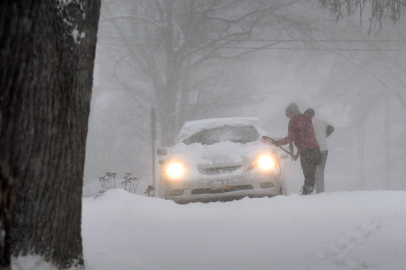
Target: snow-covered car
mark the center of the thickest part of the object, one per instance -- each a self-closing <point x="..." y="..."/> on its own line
<point x="221" y="159"/>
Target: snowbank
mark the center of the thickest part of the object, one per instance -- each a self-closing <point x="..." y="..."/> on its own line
<point x="343" y="230"/>
<point x="31" y="262"/>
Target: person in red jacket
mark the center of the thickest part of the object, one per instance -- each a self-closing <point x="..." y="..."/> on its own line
<point x="301" y="132"/>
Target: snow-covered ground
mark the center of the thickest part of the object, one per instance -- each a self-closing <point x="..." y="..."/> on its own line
<point x="337" y="230"/>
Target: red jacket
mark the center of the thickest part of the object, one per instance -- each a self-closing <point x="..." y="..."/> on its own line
<point x="301" y="132"/>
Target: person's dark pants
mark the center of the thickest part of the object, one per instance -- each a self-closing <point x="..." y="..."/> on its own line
<point x="309" y="159"/>
<point x="320" y="172"/>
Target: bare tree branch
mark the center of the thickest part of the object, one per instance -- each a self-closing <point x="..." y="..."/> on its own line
<point x="380" y="9"/>
<point x="139" y="18"/>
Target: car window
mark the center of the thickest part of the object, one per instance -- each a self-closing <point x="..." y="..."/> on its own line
<point x="237" y="134"/>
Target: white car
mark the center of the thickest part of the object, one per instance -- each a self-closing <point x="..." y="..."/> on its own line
<point x="221" y="159"/>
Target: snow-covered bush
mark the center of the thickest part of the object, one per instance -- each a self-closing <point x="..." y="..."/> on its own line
<point x="150" y="191"/>
<point x="109" y="181"/>
<point x="130" y="183"/>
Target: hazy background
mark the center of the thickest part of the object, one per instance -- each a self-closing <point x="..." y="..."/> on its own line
<point x="353" y="79"/>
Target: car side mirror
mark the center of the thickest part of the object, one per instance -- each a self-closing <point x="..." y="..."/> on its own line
<point x="162" y="151"/>
<point x="283" y="156"/>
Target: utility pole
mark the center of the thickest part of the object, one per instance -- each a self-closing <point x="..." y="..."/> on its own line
<point x="153" y="137"/>
<point x="361" y="145"/>
<point x="387" y="142"/>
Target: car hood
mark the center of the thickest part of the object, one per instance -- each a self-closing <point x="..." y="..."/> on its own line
<point x="223" y="153"/>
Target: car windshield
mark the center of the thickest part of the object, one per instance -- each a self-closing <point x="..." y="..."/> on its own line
<point x="237" y="134"/>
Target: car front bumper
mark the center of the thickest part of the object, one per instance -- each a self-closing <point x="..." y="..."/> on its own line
<point x="203" y="191"/>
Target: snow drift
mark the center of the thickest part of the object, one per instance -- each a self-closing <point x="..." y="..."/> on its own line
<point x="342" y="230"/>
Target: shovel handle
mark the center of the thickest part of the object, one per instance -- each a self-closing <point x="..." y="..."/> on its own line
<point x="269" y="140"/>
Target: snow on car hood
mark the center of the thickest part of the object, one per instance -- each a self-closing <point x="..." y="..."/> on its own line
<point x="222" y="153"/>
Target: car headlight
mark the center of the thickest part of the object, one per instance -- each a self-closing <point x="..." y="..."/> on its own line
<point x="175" y="170"/>
<point x="265" y="162"/>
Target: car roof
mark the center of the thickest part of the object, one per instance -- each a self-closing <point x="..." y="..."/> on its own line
<point x="192" y="127"/>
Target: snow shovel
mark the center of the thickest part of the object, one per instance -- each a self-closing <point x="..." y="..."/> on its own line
<point x="269" y="140"/>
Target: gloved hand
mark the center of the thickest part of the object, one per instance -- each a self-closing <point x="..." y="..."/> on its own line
<point x="276" y="143"/>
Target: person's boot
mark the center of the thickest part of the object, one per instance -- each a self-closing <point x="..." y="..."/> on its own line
<point x="306" y="190"/>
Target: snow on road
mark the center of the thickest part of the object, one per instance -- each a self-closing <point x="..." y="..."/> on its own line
<point x="341" y="230"/>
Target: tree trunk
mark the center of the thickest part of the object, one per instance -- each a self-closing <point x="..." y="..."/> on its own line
<point x="16" y="46"/>
<point x="54" y="118"/>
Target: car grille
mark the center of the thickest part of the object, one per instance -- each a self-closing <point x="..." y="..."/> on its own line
<point x="218" y="170"/>
<point x="215" y="191"/>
